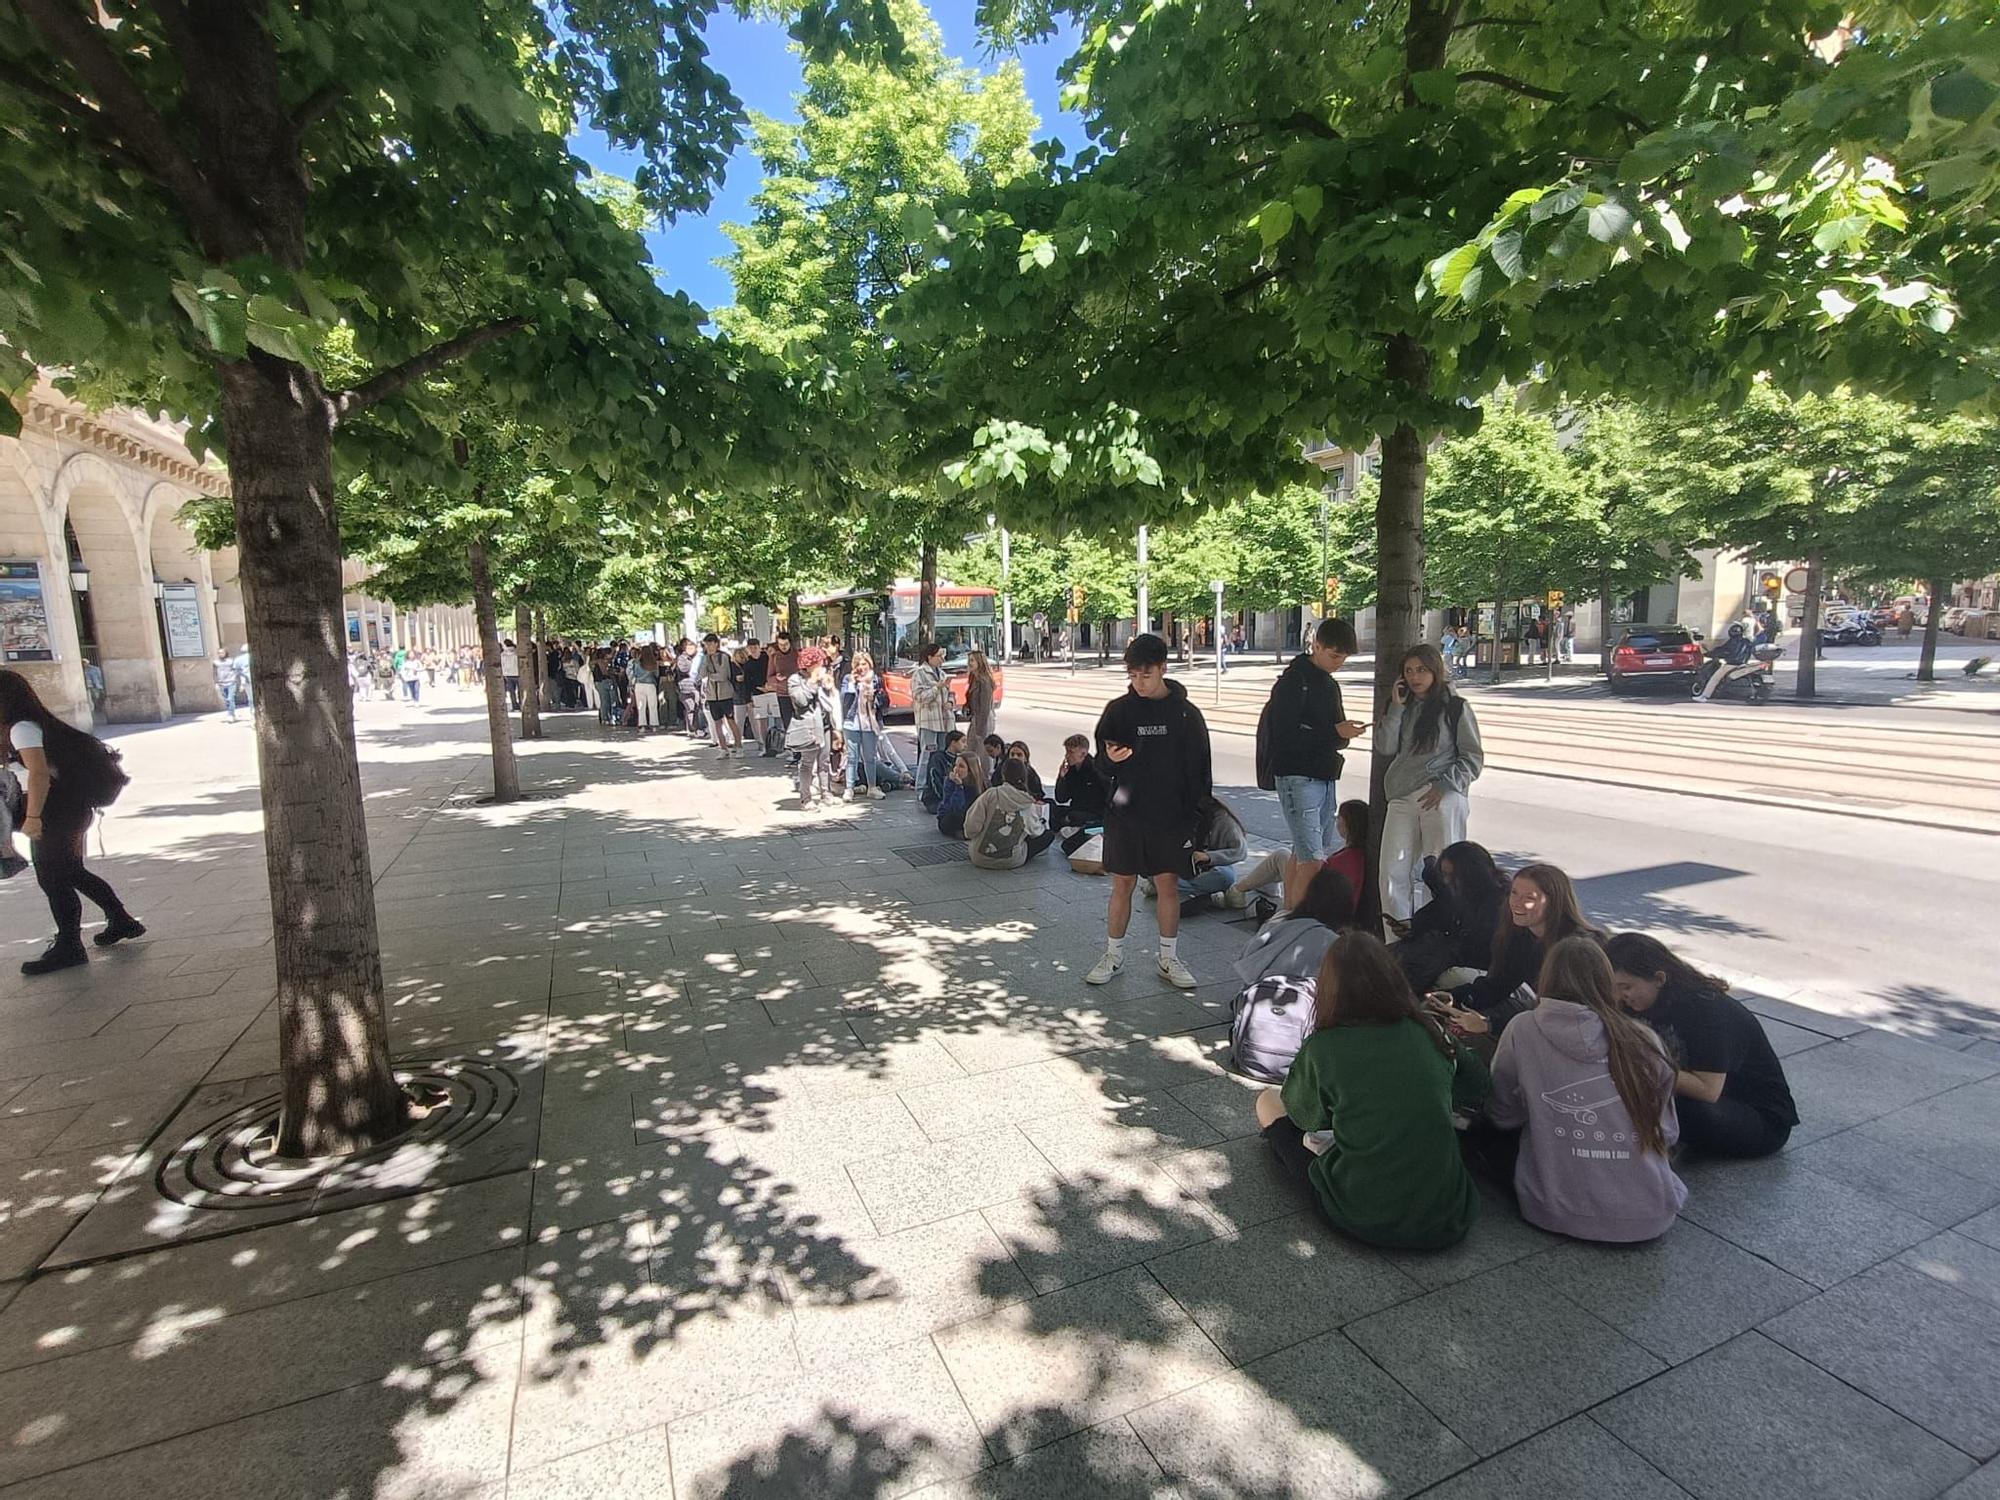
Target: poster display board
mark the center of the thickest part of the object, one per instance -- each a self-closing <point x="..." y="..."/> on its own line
<point x="24" y="614"/>
<point x="180" y="608"/>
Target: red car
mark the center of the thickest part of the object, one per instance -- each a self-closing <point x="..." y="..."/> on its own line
<point x="1670" y="654"/>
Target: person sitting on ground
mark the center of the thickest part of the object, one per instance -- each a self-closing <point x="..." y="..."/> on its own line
<point x="963" y="785"/>
<point x="1005" y="826"/>
<point x="1542" y="910"/>
<point x="1449" y="941"/>
<point x="1082" y="794"/>
<point x="1590" y="1091"/>
<point x="1018" y="751"/>
<point x="996" y="756"/>
<point x="1293" y="944"/>
<point x="1220" y="845"/>
<point x="938" y="766"/>
<point x="1733" y="1096"/>
<point x="1365" y="1114"/>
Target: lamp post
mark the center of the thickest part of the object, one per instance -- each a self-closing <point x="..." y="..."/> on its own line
<point x="79" y="578"/>
<point x="1217" y="633"/>
<point x="1006" y="597"/>
<point x="1145" y="604"/>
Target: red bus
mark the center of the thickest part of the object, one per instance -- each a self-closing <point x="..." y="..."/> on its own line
<point x="883" y="622"/>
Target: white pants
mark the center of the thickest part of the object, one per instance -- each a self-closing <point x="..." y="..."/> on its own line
<point x="1408" y="834"/>
<point x="646" y="699"/>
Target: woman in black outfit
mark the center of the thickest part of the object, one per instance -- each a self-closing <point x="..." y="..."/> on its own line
<point x="1541" y="911"/>
<point x="1729" y="1087"/>
<point x="66" y="769"/>
<point x="1454" y="929"/>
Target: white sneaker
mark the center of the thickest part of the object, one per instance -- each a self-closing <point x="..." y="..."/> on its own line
<point x="1234" y="899"/>
<point x="1176" y="973"/>
<point x="847" y="794"/>
<point x="876" y="794"/>
<point x="1146" y="886"/>
<point x="1107" y="969"/>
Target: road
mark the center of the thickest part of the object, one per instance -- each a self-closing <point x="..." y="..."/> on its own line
<point x="1666" y="814"/>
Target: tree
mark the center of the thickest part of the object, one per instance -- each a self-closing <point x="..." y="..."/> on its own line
<point x="1277" y="543"/>
<point x="1106" y="578"/>
<point x="847" y="200"/>
<point x="205" y="197"/>
<point x="1271" y="242"/>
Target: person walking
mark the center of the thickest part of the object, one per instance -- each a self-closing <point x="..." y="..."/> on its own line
<point x="980" y="693"/>
<point x="225" y="683"/>
<point x="71" y="775"/>
<point x="931" y="708"/>
<point x="646" y="688"/>
<point x="1434" y="737"/>
<point x="1153" y="745"/>
<point x="510" y="674"/>
<point x="1906" y="621"/>
<point x="1307" y="728"/>
<point x="412" y="674"/>
<point x="864" y="702"/>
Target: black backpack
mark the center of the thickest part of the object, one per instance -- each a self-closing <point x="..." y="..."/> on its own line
<point x="96" y="773"/>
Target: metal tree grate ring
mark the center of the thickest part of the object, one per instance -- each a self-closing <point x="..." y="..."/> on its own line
<point x="232" y="1162"/>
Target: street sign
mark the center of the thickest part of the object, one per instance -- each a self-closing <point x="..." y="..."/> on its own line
<point x="1795" y="581"/>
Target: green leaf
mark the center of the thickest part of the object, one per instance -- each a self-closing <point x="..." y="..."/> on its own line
<point x="1961" y="95"/>
<point x="1274" y="221"/>
<point x="1844" y="233"/>
<point x="1435" y="86"/>
<point x="1309" y="198"/>
<point x="10" y="418"/>
<point x="1506" y="252"/>
<point x="1448" y="272"/>
<point x="1609" y="221"/>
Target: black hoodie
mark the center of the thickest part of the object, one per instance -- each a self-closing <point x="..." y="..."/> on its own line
<point x="1305" y="709"/>
<point x="1167" y="779"/>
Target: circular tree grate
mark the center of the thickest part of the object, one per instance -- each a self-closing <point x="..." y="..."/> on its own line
<point x="233" y="1162"/>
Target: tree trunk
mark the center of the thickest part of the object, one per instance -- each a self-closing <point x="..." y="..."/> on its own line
<point x="1605" y="642"/>
<point x="1399" y="551"/>
<point x="927" y="593"/>
<point x="1927" y="663"/>
<point x="528" y="655"/>
<point x="1808" y="682"/>
<point x="506" y="773"/>
<point x="792" y="617"/>
<point x="339" y="1092"/>
<point x="545" y="663"/>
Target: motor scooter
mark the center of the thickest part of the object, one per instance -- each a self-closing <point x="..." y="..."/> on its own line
<point x="1752" y="682"/>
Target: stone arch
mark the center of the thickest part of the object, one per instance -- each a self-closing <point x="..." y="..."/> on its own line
<point x="30" y="534"/>
<point x="118" y="618"/>
<point x="181" y="567"/>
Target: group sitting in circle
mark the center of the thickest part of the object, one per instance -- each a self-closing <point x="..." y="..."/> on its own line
<point x="1570" y="1067"/>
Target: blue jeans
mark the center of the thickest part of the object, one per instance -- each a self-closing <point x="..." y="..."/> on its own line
<point x="1211" y="881"/>
<point x="861" y="751"/>
<point x="229" y="700"/>
<point x="1310" y="807"/>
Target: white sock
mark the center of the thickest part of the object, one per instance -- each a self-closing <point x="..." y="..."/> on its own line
<point x="1115" y="947"/>
<point x="1170" y="947"/>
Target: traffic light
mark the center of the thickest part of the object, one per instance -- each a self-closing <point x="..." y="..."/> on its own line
<point x="1075" y="603"/>
<point x="1555" y="598"/>
<point x="1772" y="584"/>
<point x="1332" y="592"/>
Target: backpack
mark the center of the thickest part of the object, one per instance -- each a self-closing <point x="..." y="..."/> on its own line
<point x="97" y="774"/>
<point x="1271" y="1020"/>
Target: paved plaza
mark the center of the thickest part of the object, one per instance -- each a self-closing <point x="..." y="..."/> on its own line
<point x="813" y="1169"/>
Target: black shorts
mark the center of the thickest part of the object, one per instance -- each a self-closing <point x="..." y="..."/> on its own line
<point x="1136" y="847"/>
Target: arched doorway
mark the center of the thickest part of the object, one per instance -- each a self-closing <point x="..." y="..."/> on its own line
<point x="123" y="662"/>
<point x="182" y="614"/>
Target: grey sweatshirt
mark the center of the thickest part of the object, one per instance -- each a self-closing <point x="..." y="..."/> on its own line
<point x="1293" y="947"/>
<point x="997" y="826"/>
<point x="1454" y="763"/>
<point x="1580" y="1171"/>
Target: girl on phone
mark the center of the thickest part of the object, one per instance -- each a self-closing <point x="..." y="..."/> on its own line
<point x="1542" y="910"/>
<point x="1435" y="739"/>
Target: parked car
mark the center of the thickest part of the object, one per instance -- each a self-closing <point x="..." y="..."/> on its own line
<point x="1666" y="654"/>
<point x="1953" y="619"/>
<point x="1849" y="630"/>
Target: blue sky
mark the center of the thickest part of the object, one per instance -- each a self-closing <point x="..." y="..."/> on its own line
<point x="754" y="57"/>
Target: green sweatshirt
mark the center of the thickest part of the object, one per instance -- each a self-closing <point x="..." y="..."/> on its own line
<point x="1392" y="1176"/>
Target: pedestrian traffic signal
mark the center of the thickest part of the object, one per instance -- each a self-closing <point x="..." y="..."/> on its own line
<point x="1555" y="598"/>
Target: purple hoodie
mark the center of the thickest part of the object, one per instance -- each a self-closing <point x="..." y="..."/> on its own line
<point x="1580" y="1171"/>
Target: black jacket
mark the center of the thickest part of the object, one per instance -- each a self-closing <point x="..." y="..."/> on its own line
<point x="1082" y="794"/>
<point x="1167" y="779"/>
<point x="1305" y="706"/>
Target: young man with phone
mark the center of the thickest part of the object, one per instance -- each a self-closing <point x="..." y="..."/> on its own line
<point x="1309" y="728"/>
<point x="1152" y="745"/>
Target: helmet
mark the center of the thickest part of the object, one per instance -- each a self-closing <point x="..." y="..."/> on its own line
<point x="1736" y="632"/>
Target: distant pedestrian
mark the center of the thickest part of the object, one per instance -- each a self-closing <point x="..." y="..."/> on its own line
<point x="715" y="685"/>
<point x="981" y="691"/>
<point x="646" y="688"/>
<point x="806" y="735"/>
<point x="1434" y="738"/>
<point x="225" y="683"/>
<point x="931" y="708"/>
<point x="412" y="675"/>
<point x="864" y="702"/>
<point x="510" y="674"/>
<point x="71" y="775"/>
<point x="1906" y="621"/>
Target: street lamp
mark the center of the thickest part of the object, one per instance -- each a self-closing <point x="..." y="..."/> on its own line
<point x="79" y="578"/>
<point x="1217" y="632"/>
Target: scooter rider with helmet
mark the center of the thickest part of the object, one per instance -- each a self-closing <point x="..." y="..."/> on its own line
<point x="1733" y="653"/>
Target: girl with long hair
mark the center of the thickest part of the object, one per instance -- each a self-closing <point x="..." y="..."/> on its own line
<point x="1434" y="737"/>
<point x="1365" y="1114"/>
<point x="1591" y="1092"/>
<point x="964" y="784"/>
<point x="1541" y="910"/>
<point x="1730" y="1088"/>
<point x="1450" y="939"/>
<point x="66" y="769"/>
<point x="864" y="704"/>
<point x="980" y="692"/>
